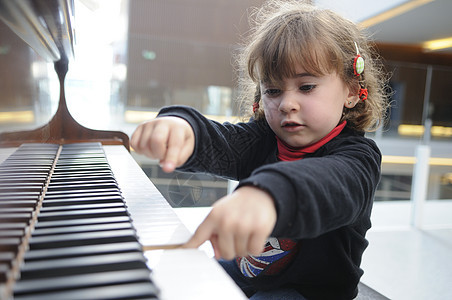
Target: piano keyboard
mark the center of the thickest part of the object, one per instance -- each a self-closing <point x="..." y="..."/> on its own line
<point x="66" y="232"/>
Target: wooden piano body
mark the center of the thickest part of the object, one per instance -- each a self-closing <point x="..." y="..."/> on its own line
<point x="50" y="255"/>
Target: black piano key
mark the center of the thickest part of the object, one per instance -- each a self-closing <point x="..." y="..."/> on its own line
<point x="81" y="194"/>
<point x="15" y="217"/>
<point x="11" y="234"/>
<point x="82" y="200"/>
<point x="97" y="191"/>
<point x="70" y="159"/>
<point x="25" y="164"/>
<point x="85" y="163"/>
<point x="80" y="239"/>
<point x="25" y="160"/>
<point x="4" y="272"/>
<point x="76" y="177"/>
<point x="38" y="146"/>
<point x="27" y="155"/>
<point x="19" y="187"/>
<point x="28" y="169"/>
<point x="37" y="149"/>
<point x="95" y="182"/>
<point x="7" y="257"/>
<point x="80" y="214"/>
<point x="84" y="186"/>
<point x="7" y="260"/>
<point x="20" y="179"/>
<point x="19" y="195"/>
<point x="82" y="265"/>
<point x="78" y="168"/>
<point x="65" y="154"/>
<point x="9" y="244"/>
<point x="82" y="174"/>
<point x="81" y="152"/>
<point x="4" y="204"/>
<point x="13" y="226"/>
<point x="79" y="251"/>
<point x="30" y="156"/>
<point x="16" y="210"/>
<point x="82" y="206"/>
<point x="63" y="169"/>
<point x="77" y="222"/>
<point x="81" y="149"/>
<point x="81" y="281"/>
<point x="81" y="229"/>
<point x="29" y="174"/>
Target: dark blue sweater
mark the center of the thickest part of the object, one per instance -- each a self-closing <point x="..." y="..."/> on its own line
<point x="323" y="201"/>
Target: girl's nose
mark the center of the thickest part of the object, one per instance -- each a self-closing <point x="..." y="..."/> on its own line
<point x="289" y="103"/>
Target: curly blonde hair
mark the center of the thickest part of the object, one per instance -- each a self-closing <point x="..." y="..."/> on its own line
<point x="290" y="33"/>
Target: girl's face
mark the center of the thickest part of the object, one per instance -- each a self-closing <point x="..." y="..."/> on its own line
<point x="303" y="109"/>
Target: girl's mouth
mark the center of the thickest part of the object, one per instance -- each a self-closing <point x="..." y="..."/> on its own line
<point x="291" y="126"/>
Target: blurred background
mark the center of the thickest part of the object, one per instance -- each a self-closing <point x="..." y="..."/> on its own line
<point x="133" y="57"/>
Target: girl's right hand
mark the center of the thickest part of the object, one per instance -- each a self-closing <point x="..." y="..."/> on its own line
<point x="171" y="140"/>
<point x="238" y="224"/>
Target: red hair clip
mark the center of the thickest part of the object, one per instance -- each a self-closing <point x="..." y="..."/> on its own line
<point x="255" y="106"/>
<point x="363" y="94"/>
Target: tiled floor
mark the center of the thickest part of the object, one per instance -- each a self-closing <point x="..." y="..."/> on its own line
<point x="410" y="264"/>
<point x="401" y="262"/>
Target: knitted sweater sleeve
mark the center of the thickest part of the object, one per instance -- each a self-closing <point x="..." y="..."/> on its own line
<point x="315" y="195"/>
<point x="229" y="150"/>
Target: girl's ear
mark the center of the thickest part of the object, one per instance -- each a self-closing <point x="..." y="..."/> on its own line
<point x="353" y="96"/>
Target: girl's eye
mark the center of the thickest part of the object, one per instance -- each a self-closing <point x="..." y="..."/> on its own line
<point x="272" y="92"/>
<point x="307" y="87"/>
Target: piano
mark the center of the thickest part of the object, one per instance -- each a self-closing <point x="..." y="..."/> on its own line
<point x="79" y="219"/>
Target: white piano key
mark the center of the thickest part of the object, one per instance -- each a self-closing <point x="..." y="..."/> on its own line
<point x="175" y="268"/>
<point x="154" y="219"/>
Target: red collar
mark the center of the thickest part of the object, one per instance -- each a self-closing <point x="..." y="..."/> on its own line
<point x="288" y="153"/>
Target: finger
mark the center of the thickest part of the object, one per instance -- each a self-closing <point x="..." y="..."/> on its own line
<point x="156" y="140"/>
<point x="187" y="150"/>
<point x="202" y="234"/>
<point x="135" y="139"/>
<point x="241" y="243"/>
<point x="174" y="146"/>
<point x="141" y="138"/>
<point x="167" y="166"/>
<point x="216" y="248"/>
<point x="226" y="244"/>
<point x="256" y="244"/>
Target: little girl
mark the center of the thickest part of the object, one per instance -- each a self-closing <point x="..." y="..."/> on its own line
<point x="295" y="226"/>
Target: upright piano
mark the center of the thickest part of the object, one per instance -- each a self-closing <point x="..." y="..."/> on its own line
<point x="78" y="216"/>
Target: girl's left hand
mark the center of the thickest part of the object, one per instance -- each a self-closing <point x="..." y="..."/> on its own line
<point x="238" y="224"/>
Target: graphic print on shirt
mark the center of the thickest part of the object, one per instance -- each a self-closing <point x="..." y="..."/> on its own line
<point x="276" y="255"/>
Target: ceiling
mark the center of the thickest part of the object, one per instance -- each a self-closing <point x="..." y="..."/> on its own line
<point x="429" y="20"/>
